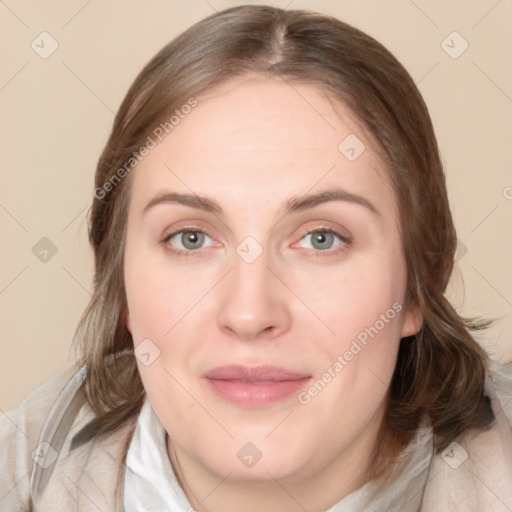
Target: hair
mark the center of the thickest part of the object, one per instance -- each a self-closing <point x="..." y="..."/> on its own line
<point x="440" y="371"/>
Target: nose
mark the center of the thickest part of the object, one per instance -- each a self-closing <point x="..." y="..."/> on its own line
<point x="253" y="303"/>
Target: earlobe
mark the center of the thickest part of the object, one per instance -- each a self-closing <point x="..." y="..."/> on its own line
<point x="413" y="322"/>
<point x="127" y="321"/>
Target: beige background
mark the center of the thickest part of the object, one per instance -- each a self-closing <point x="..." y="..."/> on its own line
<point x="57" y="113"/>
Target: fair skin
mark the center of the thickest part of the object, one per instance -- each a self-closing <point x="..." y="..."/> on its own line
<point x="251" y="146"/>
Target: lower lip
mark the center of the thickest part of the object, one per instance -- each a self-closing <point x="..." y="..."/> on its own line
<point x="251" y="394"/>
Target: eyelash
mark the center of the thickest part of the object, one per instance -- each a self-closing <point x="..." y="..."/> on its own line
<point x="345" y="242"/>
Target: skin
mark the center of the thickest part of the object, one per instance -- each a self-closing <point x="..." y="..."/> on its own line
<point x="251" y="145"/>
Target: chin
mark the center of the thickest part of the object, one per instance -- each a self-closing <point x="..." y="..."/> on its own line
<point x="259" y="460"/>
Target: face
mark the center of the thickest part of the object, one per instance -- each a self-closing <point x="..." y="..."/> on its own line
<point x="265" y="284"/>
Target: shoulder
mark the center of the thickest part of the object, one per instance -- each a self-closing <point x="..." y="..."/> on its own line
<point x="475" y="473"/>
<point x="41" y="468"/>
<point x="20" y="430"/>
<point x="499" y="383"/>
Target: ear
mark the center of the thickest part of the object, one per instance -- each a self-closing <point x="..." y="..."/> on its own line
<point x="412" y="322"/>
<point x="127" y="321"/>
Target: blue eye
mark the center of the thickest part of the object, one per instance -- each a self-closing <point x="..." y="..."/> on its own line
<point x="323" y="240"/>
<point x="186" y="241"/>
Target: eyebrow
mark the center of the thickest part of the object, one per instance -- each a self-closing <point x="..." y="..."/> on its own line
<point x="295" y="204"/>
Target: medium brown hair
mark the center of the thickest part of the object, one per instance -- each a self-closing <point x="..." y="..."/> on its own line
<point x="440" y="371"/>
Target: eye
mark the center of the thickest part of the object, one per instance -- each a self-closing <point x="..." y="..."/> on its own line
<point x="187" y="240"/>
<point x="323" y="239"/>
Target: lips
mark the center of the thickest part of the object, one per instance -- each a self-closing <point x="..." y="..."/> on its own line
<point x="254" y="374"/>
<point x="257" y="386"/>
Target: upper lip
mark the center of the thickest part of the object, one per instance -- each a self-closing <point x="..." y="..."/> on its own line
<point x="254" y="373"/>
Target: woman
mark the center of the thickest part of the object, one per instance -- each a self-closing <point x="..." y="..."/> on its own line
<point x="269" y="329"/>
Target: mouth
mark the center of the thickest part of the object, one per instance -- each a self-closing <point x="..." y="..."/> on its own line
<point x="254" y="387"/>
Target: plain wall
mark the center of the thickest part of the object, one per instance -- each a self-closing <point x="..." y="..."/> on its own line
<point x="57" y="113"/>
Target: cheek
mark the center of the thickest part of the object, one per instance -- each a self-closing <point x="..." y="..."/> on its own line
<point x="365" y="311"/>
<point x="158" y="295"/>
<point x="359" y="298"/>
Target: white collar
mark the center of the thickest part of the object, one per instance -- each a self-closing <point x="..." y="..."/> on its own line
<point x="150" y="481"/>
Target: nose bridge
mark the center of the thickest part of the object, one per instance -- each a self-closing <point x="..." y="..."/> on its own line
<point x="252" y="301"/>
<point x="251" y="278"/>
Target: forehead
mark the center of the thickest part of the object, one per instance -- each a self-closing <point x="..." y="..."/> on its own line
<point x="264" y="139"/>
